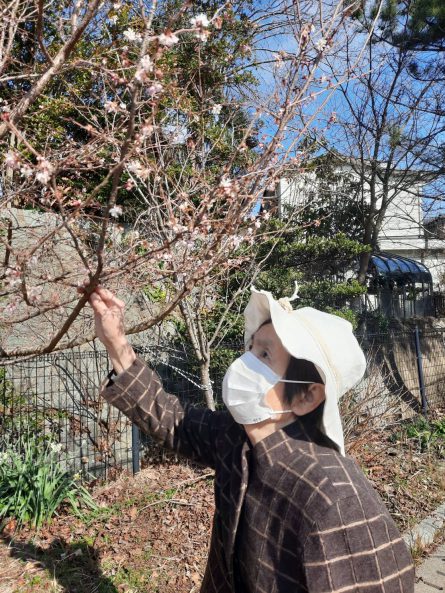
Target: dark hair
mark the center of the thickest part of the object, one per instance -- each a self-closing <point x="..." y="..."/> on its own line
<point x="300" y="369"/>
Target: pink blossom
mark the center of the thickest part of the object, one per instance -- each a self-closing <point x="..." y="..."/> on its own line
<point x="154" y="89"/>
<point x="111" y="107"/>
<point x="13" y="277"/>
<point x="147" y="130"/>
<point x="10" y="308"/>
<point x="34" y="293"/>
<point x="145" y="66"/>
<point x="12" y="160"/>
<point x="141" y="75"/>
<point x="168" y="39"/>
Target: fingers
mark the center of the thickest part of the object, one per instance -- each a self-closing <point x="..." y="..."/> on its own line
<point x="102" y="299"/>
<point x="98" y="304"/>
<point x="109" y="298"/>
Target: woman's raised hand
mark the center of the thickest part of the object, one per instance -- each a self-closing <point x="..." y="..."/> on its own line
<point x="110" y="329"/>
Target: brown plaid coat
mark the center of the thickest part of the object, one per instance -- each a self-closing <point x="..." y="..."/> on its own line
<point x="290" y="516"/>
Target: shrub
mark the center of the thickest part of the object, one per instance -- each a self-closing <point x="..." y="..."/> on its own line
<point x="33" y="485"/>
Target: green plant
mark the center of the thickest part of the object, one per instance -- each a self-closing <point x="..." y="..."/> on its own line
<point x="33" y="485"/>
<point x="20" y="413"/>
<point x="426" y="434"/>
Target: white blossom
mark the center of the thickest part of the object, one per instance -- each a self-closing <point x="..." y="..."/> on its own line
<point x="123" y="106"/>
<point x="45" y="170"/>
<point x="321" y="44"/>
<point x="168" y="39"/>
<point x="228" y="186"/>
<point x="200" y="21"/>
<point x="216" y="109"/>
<point x="55" y="447"/>
<point x="146" y="63"/>
<point x="113" y="19"/>
<point x="132" y="35"/>
<point x="237" y="240"/>
<point x="26" y="171"/>
<point x="138" y="169"/>
<point x="116" y="211"/>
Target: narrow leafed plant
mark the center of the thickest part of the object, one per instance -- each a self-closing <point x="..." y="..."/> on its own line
<point x="33" y="485"/>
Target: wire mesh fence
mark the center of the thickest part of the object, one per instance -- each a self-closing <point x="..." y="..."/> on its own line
<point x="57" y="395"/>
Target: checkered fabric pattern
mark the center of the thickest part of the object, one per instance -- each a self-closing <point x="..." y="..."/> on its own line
<point x="290" y="516"/>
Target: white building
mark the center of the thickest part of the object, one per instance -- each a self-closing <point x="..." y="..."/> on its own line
<point x="404" y="230"/>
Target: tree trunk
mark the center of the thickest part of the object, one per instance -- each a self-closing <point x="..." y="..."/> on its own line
<point x="206" y="383"/>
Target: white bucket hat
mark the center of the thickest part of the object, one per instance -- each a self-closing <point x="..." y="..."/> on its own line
<point x="325" y="340"/>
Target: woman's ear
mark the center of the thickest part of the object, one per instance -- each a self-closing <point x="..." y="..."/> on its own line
<point x="308" y="401"/>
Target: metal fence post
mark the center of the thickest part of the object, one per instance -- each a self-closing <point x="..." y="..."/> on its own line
<point x="135" y="443"/>
<point x="420" y="371"/>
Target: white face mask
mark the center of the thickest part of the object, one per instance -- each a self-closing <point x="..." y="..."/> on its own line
<point x="245" y="386"/>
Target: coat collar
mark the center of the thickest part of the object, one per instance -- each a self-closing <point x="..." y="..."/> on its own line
<point x="281" y="443"/>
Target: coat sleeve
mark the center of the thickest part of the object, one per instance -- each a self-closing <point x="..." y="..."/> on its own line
<point x="356" y="548"/>
<point x="187" y="430"/>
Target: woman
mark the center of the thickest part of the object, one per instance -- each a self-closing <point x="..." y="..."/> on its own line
<point x="292" y="512"/>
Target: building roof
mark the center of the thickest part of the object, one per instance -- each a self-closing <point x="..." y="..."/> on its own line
<point x="398" y="268"/>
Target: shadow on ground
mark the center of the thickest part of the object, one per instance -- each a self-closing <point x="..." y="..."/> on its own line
<point x="74" y="567"/>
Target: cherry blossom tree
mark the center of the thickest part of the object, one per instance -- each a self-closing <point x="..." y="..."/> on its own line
<point x="136" y="139"/>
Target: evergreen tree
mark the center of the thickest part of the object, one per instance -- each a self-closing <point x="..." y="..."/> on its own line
<point x="414" y="24"/>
